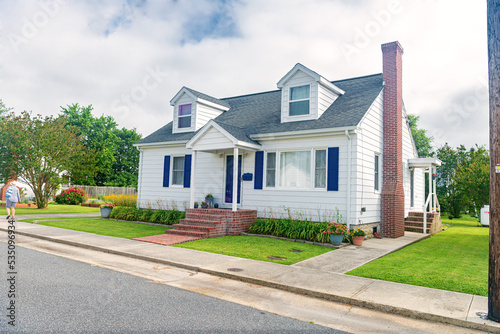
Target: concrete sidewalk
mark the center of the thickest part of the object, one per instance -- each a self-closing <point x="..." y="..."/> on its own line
<point x="320" y="277"/>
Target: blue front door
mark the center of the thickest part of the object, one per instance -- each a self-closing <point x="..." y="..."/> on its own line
<point x="229" y="178"/>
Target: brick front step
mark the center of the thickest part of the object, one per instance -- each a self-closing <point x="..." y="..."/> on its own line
<point x="194" y="234"/>
<point x="198" y="222"/>
<point x="418" y="229"/>
<point x="414" y="223"/>
<point x="194" y="228"/>
<point x="419" y="214"/>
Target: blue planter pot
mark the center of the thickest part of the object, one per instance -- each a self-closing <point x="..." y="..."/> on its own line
<point x="105" y="212"/>
<point x="336" y="239"/>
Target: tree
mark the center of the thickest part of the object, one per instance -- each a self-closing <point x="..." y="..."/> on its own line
<point x="126" y="165"/>
<point x="117" y="159"/>
<point x="422" y="141"/>
<point x="38" y="150"/>
<point x="97" y="134"/>
<point x="450" y="198"/>
<point x="472" y="178"/>
<point x="3" y="108"/>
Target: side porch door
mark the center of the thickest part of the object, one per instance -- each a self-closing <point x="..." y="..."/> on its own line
<point x="228" y="198"/>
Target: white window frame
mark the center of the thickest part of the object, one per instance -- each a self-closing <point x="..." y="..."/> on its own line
<point x="275" y="169"/>
<point x="277" y="182"/>
<point x="290" y="101"/>
<point x="172" y="171"/>
<point x="179" y="116"/>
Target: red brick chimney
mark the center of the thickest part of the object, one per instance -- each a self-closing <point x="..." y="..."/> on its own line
<point x="392" y="196"/>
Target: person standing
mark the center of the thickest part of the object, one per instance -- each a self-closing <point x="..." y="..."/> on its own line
<point x="12" y="196"/>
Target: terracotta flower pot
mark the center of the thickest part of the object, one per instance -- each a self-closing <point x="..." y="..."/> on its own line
<point x="358" y="241"/>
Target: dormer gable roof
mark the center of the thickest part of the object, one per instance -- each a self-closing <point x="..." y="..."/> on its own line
<point x="200" y="97"/>
<point x="318" y="78"/>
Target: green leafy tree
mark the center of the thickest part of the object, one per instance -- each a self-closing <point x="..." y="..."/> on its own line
<point x="126" y="164"/>
<point x="422" y="141"/>
<point x="450" y="198"/>
<point x="117" y="161"/>
<point x="38" y="150"/>
<point x="472" y="178"/>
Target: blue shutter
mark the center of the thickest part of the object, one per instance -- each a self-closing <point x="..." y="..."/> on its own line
<point x="187" y="170"/>
<point x="333" y="169"/>
<point x="166" y="171"/>
<point x="259" y="169"/>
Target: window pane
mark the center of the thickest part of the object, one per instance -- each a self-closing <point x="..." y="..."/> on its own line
<point x="320" y="169"/>
<point x="271" y="170"/>
<point x="185" y="122"/>
<point x="320" y="178"/>
<point x="299" y="108"/>
<point x="295" y="169"/>
<point x="185" y="109"/>
<point x="321" y="159"/>
<point x="299" y="93"/>
<point x="271" y="178"/>
<point x="178" y="171"/>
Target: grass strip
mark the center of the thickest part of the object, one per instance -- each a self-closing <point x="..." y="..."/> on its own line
<point x="54" y="208"/>
<point x="118" y="229"/>
<point x="453" y="260"/>
<point x="257" y="248"/>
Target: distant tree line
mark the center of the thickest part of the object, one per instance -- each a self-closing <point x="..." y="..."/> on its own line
<point x="463" y="180"/>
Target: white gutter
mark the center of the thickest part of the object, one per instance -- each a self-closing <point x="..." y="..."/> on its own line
<point x="162" y="144"/>
<point x="302" y="133"/>
<point x="349" y="158"/>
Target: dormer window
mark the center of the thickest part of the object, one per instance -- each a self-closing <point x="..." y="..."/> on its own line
<point x="299" y="100"/>
<point x="184" y="117"/>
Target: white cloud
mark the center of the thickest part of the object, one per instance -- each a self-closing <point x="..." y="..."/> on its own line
<point x="94" y="53"/>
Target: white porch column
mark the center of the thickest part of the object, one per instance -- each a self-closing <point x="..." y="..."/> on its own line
<point x="434" y="191"/>
<point x="235" y="179"/>
<point x="192" y="189"/>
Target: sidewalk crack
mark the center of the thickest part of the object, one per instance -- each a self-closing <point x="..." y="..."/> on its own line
<point x="362" y="289"/>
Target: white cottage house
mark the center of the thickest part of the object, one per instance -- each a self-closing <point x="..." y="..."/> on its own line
<point x="311" y="148"/>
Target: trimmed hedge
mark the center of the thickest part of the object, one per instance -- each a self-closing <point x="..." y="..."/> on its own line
<point x="167" y="217"/>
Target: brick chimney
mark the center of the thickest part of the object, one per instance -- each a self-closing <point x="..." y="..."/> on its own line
<point x="392" y="196"/>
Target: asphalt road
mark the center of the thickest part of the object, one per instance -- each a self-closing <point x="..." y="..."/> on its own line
<point x="59" y="295"/>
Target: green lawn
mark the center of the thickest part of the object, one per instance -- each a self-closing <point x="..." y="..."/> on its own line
<point x="257" y="248"/>
<point x="54" y="208"/>
<point x="107" y="227"/>
<point x="454" y="260"/>
<point x="31" y="220"/>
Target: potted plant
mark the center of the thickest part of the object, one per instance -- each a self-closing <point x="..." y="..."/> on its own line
<point x="209" y="198"/>
<point x="358" y="236"/>
<point x="336" y="232"/>
<point x="196" y="204"/>
<point x="204" y="205"/>
<point x="106" y="209"/>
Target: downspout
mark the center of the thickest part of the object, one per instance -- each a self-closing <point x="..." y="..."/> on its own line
<point x="349" y="148"/>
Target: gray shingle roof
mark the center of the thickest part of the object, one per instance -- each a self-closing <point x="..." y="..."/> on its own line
<point x="260" y="113"/>
<point x="207" y="97"/>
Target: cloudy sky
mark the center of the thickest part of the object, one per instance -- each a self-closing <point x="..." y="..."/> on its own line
<point x="128" y="58"/>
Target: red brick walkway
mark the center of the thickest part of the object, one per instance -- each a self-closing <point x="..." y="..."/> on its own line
<point x="166" y="239"/>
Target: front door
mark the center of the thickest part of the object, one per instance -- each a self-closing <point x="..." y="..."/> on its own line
<point x="229" y="178"/>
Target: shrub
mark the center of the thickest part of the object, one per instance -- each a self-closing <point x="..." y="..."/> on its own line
<point x="122" y="200"/>
<point x="292" y="229"/>
<point x="167" y="217"/>
<point x="71" y="196"/>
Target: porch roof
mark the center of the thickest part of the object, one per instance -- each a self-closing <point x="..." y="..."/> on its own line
<point x="424" y="162"/>
<point x="229" y="136"/>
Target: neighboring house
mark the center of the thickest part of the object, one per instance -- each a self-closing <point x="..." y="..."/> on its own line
<point x="310" y="148"/>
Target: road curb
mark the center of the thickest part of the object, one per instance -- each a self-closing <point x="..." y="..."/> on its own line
<point x="303" y="291"/>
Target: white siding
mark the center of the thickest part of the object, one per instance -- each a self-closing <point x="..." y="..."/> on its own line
<point x="409" y="151"/>
<point x="369" y="142"/>
<point x="208" y="179"/>
<point x="200" y="114"/>
<point x="315" y="204"/>
<point x="325" y="99"/>
<point x="204" y="114"/>
<point x="184" y="99"/>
